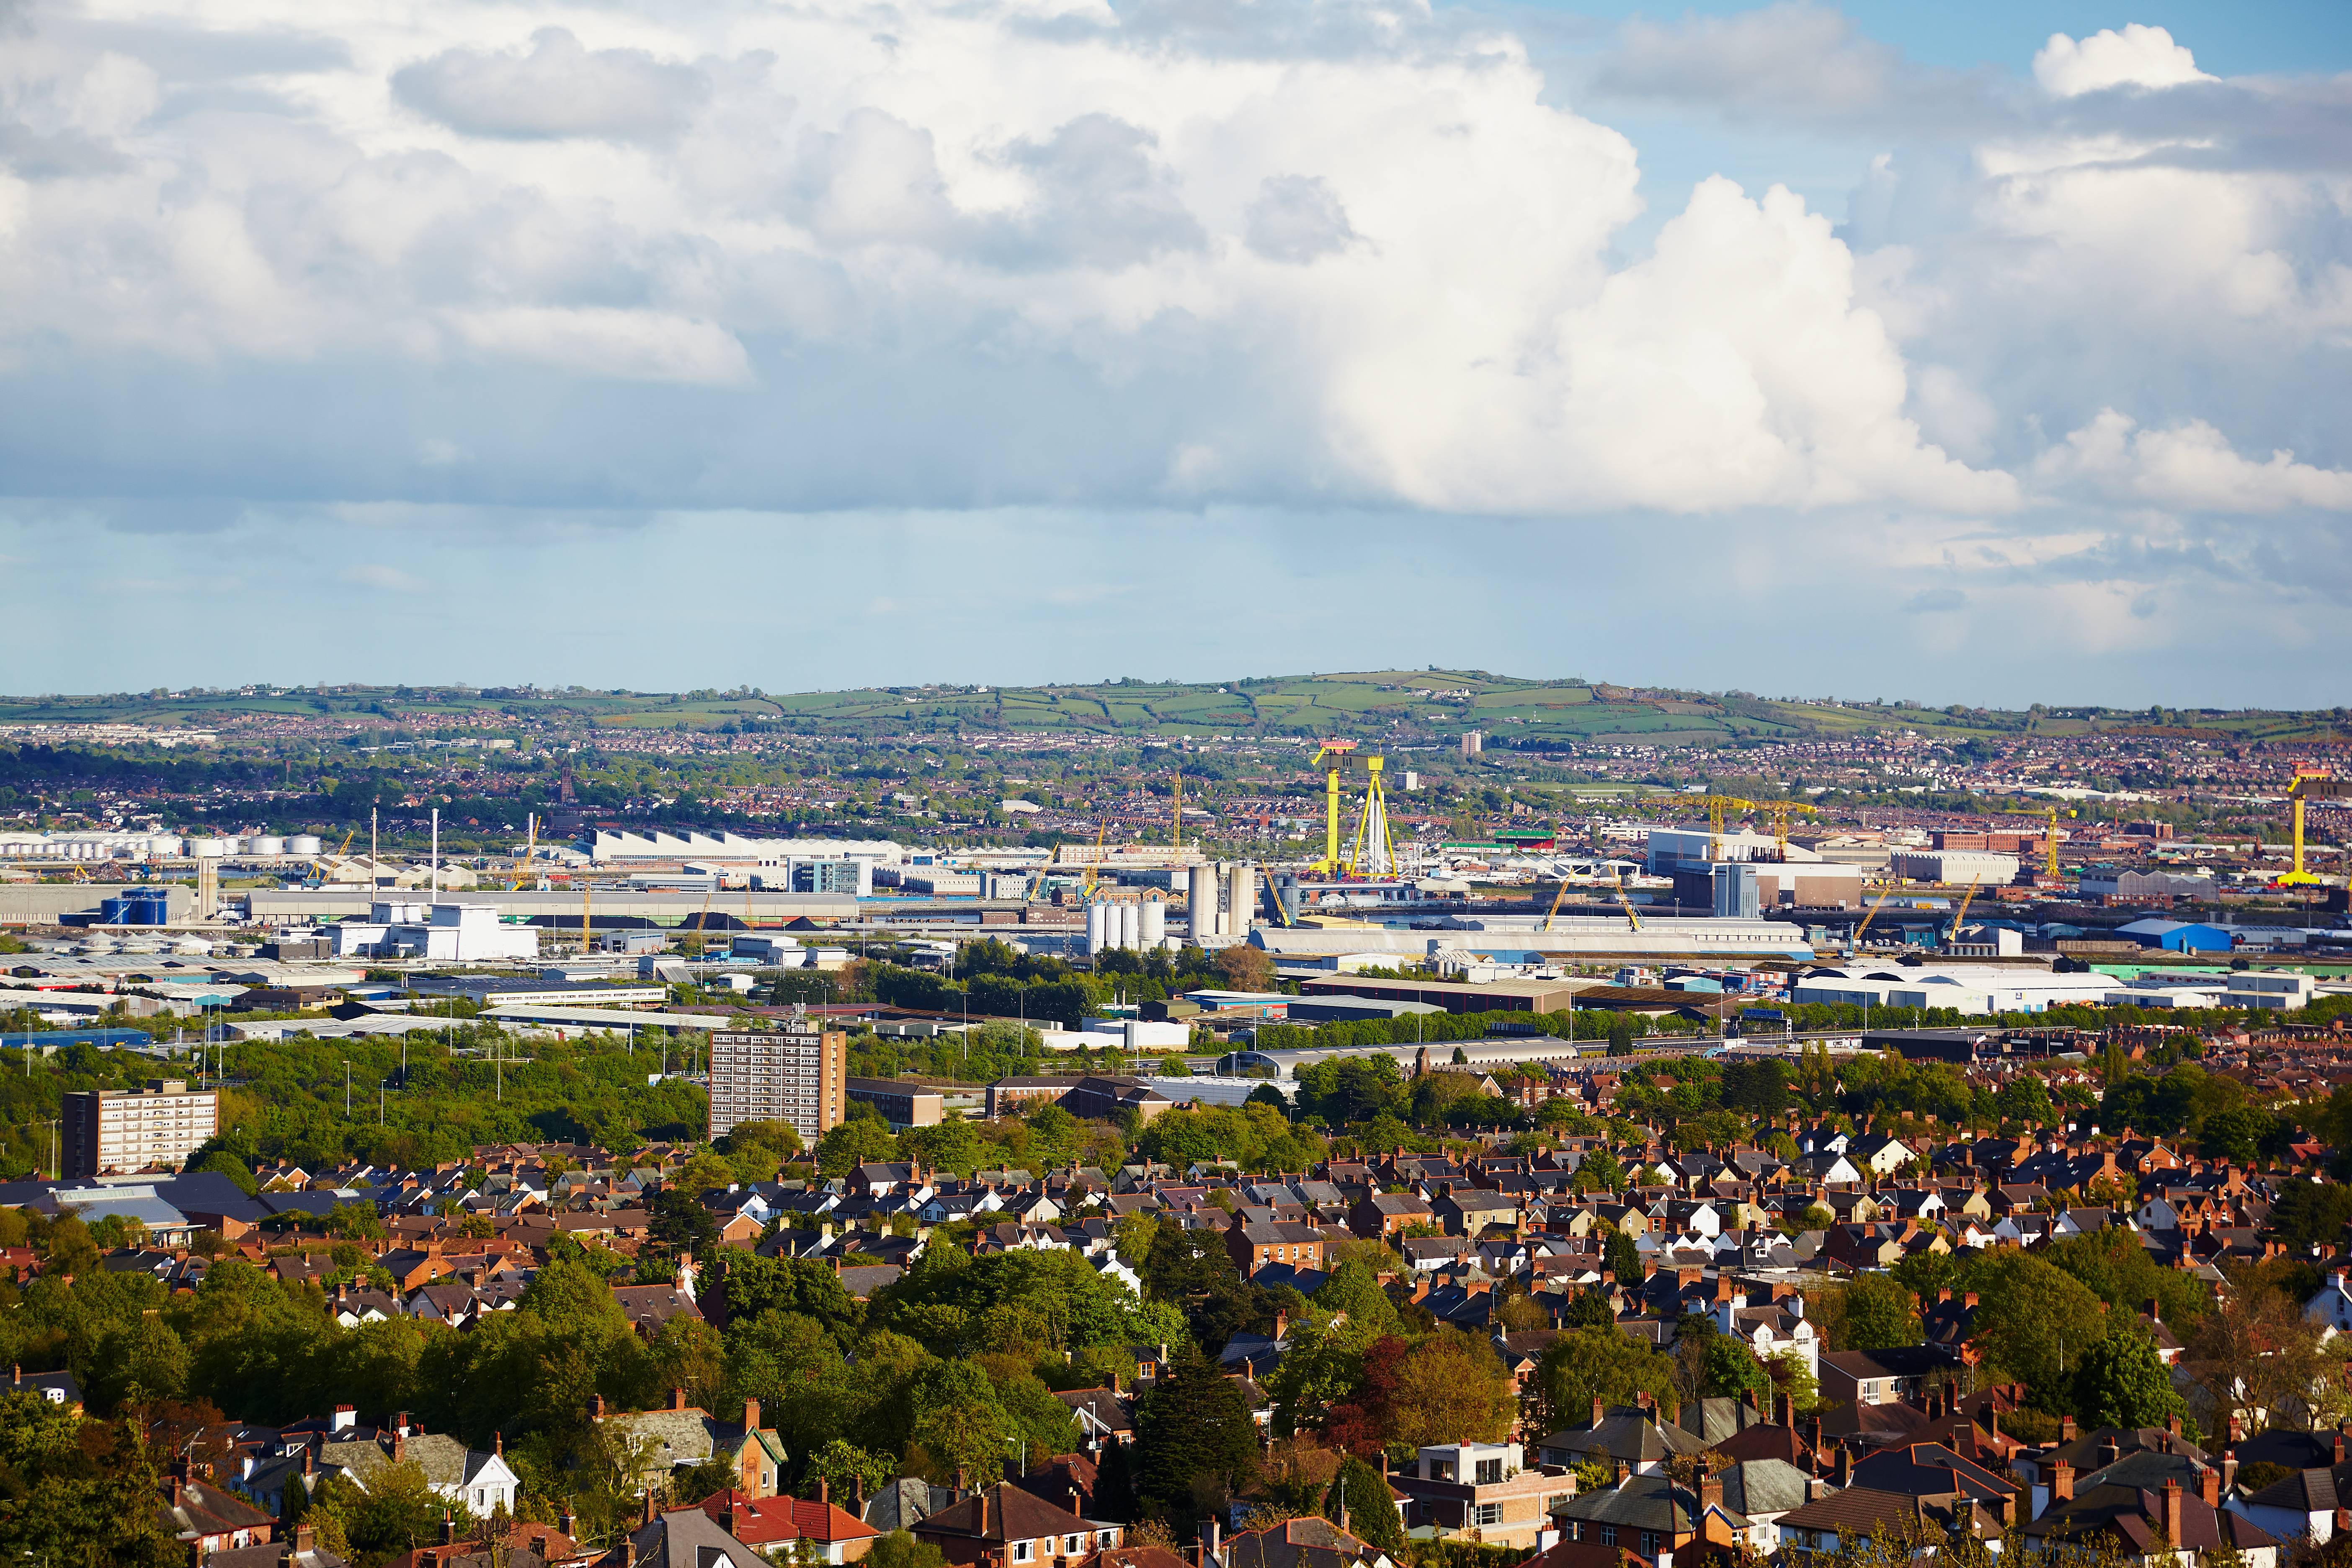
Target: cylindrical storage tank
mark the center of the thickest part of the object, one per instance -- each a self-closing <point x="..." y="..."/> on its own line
<point x="166" y="846"/>
<point x="1155" y="925"/>
<point x="1130" y="926"/>
<point x="1094" y="927"/>
<point x="151" y="908"/>
<point x="114" y="911"/>
<point x="1200" y="896"/>
<point x="1241" y="899"/>
<point x="265" y="844"/>
<point x="208" y="849"/>
<point x="303" y="844"/>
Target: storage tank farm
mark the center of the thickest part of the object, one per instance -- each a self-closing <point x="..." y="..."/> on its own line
<point x="1201" y="901"/>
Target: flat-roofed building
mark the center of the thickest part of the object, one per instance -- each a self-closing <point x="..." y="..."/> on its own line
<point x="112" y="1130"/>
<point x="901" y="1104"/>
<point x="797" y="1074"/>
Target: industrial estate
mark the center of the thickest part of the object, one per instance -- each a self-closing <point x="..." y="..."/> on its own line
<point x="1389" y="1120"/>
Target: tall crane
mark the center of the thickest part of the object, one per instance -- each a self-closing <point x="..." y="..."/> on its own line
<point x="1960" y="914"/>
<point x="319" y="868"/>
<point x="2308" y="787"/>
<point x="1854" y="943"/>
<point x="1631" y="917"/>
<point x="522" y="866"/>
<point x="1094" y="864"/>
<point x="1371" y="853"/>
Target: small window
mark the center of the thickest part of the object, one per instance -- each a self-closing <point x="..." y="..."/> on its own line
<point x="1022" y="1550"/>
<point x="1490" y="1472"/>
<point x="1071" y="1545"/>
<point x="1490" y="1513"/>
<point x="1608" y="1535"/>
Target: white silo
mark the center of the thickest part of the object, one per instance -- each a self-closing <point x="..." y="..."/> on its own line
<point x="268" y="843"/>
<point x="1241" y="899"/>
<point x="1155" y="923"/>
<point x="303" y="844"/>
<point x="1130" y="926"/>
<point x="1095" y="912"/>
<point x="164" y="846"/>
<point x="1201" y="901"/>
<point x="209" y="848"/>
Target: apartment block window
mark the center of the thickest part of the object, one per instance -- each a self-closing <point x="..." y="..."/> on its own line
<point x="1490" y="1513"/>
<point x="1490" y="1472"/>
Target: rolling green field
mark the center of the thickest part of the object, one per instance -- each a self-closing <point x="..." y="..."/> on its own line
<point x="1392" y="704"/>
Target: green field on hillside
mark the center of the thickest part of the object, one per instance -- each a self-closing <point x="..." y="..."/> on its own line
<point x="1394" y="705"/>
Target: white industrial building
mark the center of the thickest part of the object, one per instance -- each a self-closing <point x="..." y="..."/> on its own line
<point x="1974" y="990"/>
<point x="1671" y="846"/>
<point x="445" y="933"/>
<point x="604" y="846"/>
<point x="1660" y="936"/>
<point x="1954" y="867"/>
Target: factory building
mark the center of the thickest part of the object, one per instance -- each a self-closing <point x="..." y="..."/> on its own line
<point x="797" y="1074"/>
<point x="1795" y="884"/>
<point x="108" y="1131"/>
<point x="2113" y="883"/>
<point x="605" y="844"/>
<point x="444" y="933"/>
<point x="1954" y="867"/>
<point x="1670" y="847"/>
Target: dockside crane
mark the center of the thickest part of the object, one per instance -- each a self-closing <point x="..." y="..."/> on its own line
<point x="2310" y="786"/>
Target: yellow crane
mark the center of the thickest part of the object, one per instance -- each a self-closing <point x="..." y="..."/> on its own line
<point x="587" y="944"/>
<point x="1778" y="811"/>
<point x="1854" y="943"/>
<point x="1094" y="865"/>
<point x="319" y="868"/>
<point x="1372" y="842"/>
<point x="1556" y="898"/>
<point x="1631" y="917"/>
<point x="1274" y="894"/>
<point x="522" y="865"/>
<point x="1960" y="914"/>
<point x="2308" y="787"/>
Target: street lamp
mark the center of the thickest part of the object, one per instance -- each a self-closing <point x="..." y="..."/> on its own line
<point x="347" y="1086"/>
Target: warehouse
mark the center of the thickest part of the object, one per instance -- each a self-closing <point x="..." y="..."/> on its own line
<point x="1954" y="867"/>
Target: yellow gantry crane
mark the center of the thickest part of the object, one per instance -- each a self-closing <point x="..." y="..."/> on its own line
<point x="1716" y="805"/>
<point x="1369" y="853"/>
<point x="1094" y="865"/>
<point x="2309" y="787"/>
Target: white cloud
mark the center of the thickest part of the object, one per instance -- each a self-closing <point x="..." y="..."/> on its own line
<point x="626" y="345"/>
<point x="2138" y="55"/>
<point x="558" y="88"/>
<point x="2189" y="467"/>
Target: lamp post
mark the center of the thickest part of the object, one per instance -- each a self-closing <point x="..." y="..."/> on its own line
<point x="347" y="1086"/>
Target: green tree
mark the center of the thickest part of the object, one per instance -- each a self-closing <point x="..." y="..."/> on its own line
<point x="1622" y="1258"/>
<point x="849" y="1471"/>
<point x="900" y="1550"/>
<point x="2122" y="1380"/>
<point x="849" y="1145"/>
<point x="1360" y="1494"/>
<point x="77" y="1491"/>
<point x="1878" y="1314"/>
<point x="1587" y="1365"/>
<point x="1732" y="1369"/>
<point x="1193" y="1427"/>
<point x="2309" y="1213"/>
<point x="2034" y="1322"/>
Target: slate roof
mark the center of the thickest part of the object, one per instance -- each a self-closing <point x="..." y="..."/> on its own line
<point x="1308" y="1542"/>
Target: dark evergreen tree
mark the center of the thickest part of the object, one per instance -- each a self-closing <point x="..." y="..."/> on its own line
<point x="1193" y="1427"/>
<point x="1371" y="1515"/>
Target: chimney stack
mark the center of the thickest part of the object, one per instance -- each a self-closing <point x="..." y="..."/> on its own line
<point x="2172" y="1513"/>
<point x="2209" y="1486"/>
<point x="2062" y="1483"/>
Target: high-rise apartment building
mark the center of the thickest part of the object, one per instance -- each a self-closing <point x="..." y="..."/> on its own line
<point x="798" y="1073"/>
<point x="112" y="1130"/>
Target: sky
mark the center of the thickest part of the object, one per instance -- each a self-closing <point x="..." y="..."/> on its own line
<point x="1994" y="353"/>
